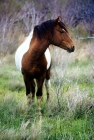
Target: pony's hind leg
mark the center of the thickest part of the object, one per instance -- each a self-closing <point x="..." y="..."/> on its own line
<point x="47" y="83"/>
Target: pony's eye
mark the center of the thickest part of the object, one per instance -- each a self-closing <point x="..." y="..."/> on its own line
<point x="63" y="30"/>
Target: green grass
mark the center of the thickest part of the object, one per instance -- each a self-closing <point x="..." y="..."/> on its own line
<point x="69" y="115"/>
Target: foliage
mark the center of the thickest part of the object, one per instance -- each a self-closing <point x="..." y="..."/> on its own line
<point x="17" y="18"/>
<point x="80" y="11"/>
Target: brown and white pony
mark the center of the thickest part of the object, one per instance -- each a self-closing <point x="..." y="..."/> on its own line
<point x="33" y="58"/>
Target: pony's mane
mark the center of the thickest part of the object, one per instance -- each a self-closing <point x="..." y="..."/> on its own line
<point x="44" y="28"/>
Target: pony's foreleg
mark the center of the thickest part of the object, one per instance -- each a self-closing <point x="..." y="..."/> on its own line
<point x="30" y="90"/>
<point x="39" y="93"/>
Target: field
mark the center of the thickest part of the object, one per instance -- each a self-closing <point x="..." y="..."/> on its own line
<point x="69" y="115"/>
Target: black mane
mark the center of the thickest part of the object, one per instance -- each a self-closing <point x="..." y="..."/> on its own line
<point x="44" y="28"/>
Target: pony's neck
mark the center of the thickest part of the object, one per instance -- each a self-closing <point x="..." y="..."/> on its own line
<point x="38" y="47"/>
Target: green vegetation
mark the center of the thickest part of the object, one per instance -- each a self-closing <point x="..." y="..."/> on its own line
<point x="69" y="115"/>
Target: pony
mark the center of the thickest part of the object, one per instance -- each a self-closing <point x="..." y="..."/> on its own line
<point x="33" y="57"/>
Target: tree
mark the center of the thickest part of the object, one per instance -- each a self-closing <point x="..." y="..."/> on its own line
<point x="80" y="12"/>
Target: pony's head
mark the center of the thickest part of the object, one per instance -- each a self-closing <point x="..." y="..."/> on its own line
<point x="56" y="33"/>
<point x="61" y="36"/>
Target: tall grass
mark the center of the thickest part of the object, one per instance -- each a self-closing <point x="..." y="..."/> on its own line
<point x="68" y="115"/>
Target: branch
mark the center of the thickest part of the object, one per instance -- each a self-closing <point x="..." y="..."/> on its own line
<point x="88" y="37"/>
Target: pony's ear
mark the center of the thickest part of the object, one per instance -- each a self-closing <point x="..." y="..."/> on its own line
<point x="57" y="20"/>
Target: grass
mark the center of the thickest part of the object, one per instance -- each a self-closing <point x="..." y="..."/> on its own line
<point x="69" y="115"/>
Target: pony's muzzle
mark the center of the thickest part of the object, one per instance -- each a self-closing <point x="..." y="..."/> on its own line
<point x="71" y="49"/>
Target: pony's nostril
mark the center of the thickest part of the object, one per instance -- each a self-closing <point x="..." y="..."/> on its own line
<point x="73" y="48"/>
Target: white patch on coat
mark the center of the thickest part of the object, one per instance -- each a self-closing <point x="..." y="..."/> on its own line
<point x="48" y="58"/>
<point x="23" y="48"/>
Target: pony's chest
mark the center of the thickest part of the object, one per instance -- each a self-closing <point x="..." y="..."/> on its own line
<point x="33" y="66"/>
